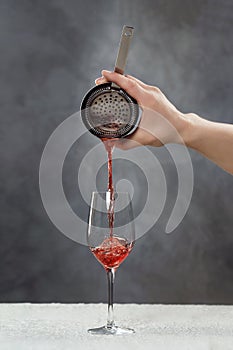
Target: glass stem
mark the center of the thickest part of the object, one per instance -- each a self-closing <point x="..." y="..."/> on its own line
<point x="111" y="276"/>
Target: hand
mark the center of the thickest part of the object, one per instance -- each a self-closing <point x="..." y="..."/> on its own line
<point x="161" y="122"/>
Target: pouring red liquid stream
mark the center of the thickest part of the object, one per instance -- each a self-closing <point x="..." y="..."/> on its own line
<point x="109" y="148"/>
<point x="113" y="250"/>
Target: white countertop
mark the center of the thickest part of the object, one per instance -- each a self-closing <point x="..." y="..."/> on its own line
<point x="160" y="327"/>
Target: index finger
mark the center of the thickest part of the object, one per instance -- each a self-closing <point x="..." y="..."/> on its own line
<point x="129" y="85"/>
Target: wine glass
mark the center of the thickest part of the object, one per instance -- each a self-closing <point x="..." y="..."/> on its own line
<point x="110" y="237"/>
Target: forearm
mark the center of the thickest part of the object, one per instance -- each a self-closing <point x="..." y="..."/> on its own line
<point x="213" y="140"/>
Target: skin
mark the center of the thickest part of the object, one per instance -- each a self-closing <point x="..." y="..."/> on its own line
<point x="162" y="123"/>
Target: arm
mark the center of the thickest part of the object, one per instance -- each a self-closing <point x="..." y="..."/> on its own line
<point x="213" y="140"/>
<point x="161" y="123"/>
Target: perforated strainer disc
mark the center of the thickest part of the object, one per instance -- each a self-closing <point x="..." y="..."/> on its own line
<point x="108" y="111"/>
<point x="111" y="110"/>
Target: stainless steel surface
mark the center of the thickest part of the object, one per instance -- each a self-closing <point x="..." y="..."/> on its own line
<point x="111" y="111"/>
<point x="126" y="37"/>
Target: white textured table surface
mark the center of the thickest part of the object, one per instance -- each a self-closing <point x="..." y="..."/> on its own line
<point x="64" y="326"/>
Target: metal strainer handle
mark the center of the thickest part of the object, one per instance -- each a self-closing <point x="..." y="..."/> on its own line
<point x="126" y="36"/>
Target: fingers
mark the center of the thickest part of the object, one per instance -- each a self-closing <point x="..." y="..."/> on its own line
<point x="143" y="85"/>
<point x="132" y="87"/>
<point x="135" y="87"/>
<point x="100" y="80"/>
<point x="126" y="144"/>
<point x="138" y="138"/>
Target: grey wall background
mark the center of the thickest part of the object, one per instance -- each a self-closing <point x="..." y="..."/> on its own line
<point x="51" y="52"/>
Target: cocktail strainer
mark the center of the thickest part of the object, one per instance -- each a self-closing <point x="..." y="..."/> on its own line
<point x="107" y="110"/>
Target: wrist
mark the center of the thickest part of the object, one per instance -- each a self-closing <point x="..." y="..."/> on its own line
<point x="191" y="127"/>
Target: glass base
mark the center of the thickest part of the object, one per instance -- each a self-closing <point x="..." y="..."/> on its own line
<point x="114" y="330"/>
